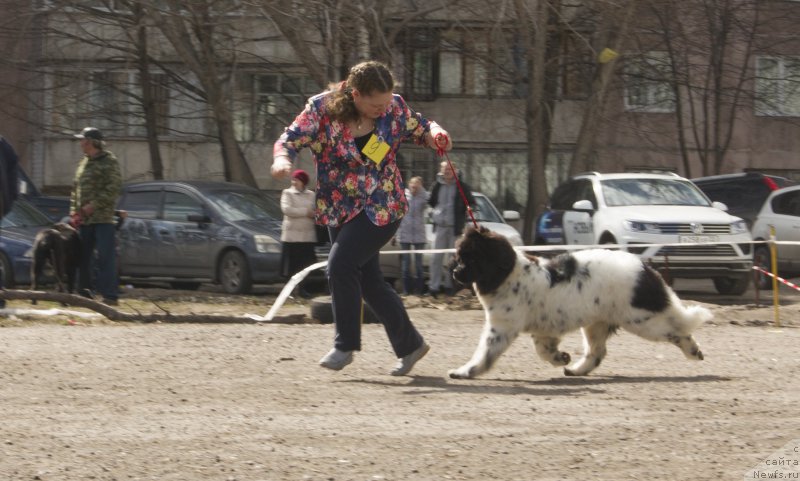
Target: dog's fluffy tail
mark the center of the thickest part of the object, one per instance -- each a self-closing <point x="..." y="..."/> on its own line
<point x="695" y="316"/>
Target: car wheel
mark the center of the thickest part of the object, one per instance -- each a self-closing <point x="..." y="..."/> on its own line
<point x="732" y="285"/>
<point x="234" y="273"/>
<point x="6" y="272"/>
<point x="322" y="311"/>
<point x="609" y="239"/>
<point x="186" y="286"/>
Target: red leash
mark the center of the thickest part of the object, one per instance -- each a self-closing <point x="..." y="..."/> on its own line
<point x="441" y="143"/>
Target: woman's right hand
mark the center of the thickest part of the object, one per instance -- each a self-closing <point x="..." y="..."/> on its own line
<point x="281" y="167"/>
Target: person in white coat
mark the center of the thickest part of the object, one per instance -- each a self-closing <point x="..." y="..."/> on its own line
<point x="298" y="232"/>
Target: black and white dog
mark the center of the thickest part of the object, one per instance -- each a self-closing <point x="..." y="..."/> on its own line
<point x="61" y="247"/>
<point x="596" y="290"/>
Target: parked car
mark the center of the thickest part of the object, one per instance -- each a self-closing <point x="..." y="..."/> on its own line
<point x="191" y="232"/>
<point x="17" y="231"/>
<point x="54" y="206"/>
<point x="744" y="193"/>
<point x="781" y="210"/>
<point x="637" y="210"/>
<point x="485" y="213"/>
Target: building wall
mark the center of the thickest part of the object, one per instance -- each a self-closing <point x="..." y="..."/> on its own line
<point x="489" y="134"/>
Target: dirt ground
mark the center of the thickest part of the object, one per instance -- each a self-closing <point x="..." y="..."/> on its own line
<point x="88" y="399"/>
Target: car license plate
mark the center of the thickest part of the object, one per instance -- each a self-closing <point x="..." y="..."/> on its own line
<point x="698" y="239"/>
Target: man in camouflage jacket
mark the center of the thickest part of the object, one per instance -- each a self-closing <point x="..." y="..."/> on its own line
<point x="97" y="185"/>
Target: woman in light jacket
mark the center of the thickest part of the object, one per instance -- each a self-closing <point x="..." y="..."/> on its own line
<point x="298" y="234"/>
<point x="411" y="235"/>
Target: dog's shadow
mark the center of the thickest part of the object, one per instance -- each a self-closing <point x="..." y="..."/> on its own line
<point x="563" y="386"/>
<point x="598" y="380"/>
<point x="482" y="386"/>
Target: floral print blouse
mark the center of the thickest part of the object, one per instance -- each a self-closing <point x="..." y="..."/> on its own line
<point x="348" y="182"/>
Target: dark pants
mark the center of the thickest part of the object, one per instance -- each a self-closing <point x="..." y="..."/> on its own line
<point x="412" y="284"/>
<point x="296" y="256"/>
<point x="102" y="239"/>
<point x="354" y="273"/>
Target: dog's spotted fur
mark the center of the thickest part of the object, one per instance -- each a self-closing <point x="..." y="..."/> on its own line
<point x="595" y="290"/>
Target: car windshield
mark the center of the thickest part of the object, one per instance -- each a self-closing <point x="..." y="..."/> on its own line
<point x="620" y="192"/>
<point x="236" y="206"/>
<point x="484" y="211"/>
<point x="23" y="214"/>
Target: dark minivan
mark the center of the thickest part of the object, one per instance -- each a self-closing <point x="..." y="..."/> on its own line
<point x="190" y="232"/>
<point x="744" y="193"/>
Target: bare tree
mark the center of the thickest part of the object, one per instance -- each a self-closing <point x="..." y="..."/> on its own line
<point x="292" y="19"/>
<point x="534" y="20"/>
<point x="117" y="35"/>
<point x="611" y="36"/>
<point x="709" y="67"/>
<point x="151" y="120"/>
<point x="206" y="45"/>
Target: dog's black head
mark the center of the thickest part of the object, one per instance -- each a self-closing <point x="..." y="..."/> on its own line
<point x="484" y="258"/>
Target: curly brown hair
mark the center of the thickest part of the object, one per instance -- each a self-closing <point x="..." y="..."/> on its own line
<point x="368" y="78"/>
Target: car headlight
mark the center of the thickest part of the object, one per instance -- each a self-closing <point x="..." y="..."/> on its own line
<point x="739" y="227"/>
<point x="265" y="243"/>
<point x="637" y="226"/>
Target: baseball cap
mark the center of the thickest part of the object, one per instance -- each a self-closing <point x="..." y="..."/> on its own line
<point x="90" y="133"/>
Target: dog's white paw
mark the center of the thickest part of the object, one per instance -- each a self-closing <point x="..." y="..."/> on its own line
<point x="463" y="372"/>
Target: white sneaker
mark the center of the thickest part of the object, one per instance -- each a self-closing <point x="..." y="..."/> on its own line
<point x="404" y="364"/>
<point x="336" y="359"/>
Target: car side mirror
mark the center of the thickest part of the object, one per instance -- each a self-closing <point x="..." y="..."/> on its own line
<point x="720" y="206"/>
<point x="583" y="206"/>
<point x="510" y="215"/>
<point x="199" y="218"/>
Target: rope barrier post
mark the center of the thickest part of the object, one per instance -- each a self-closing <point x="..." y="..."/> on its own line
<point x="757" y="290"/>
<point x="773" y="252"/>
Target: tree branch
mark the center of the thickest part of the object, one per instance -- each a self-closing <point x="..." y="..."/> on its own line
<point x="116" y="315"/>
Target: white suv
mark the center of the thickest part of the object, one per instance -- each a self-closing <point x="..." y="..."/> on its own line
<point x="637" y="210"/>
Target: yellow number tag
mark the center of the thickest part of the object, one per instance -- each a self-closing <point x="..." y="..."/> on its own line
<point x="376" y="149"/>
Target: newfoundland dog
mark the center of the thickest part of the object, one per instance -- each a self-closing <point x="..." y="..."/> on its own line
<point x="595" y="290"/>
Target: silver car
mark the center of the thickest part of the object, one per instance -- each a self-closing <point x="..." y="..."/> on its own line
<point x="486" y="214"/>
<point x="781" y="211"/>
<point x="191" y="232"/>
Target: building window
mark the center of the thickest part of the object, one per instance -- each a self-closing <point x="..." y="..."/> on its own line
<point x="419" y="49"/>
<point x="500" y="175"/>
<point x="462" y="63"/>
<point x="266" y="103"/>
<point x="459" y="62"/>
<point x="108" y="100"/>
<point x="647" y="84"/>
<point x="778" y="86"/>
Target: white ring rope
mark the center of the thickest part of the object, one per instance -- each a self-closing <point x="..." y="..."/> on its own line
<point x="297" y="278"/>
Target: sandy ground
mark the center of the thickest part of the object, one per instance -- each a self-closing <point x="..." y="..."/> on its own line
<point x="94" y="400"/>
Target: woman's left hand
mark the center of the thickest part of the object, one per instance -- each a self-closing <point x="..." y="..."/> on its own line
<point x="439" y="139"/>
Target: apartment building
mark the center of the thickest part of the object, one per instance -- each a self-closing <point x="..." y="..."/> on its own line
<point x="72" y="66"/>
